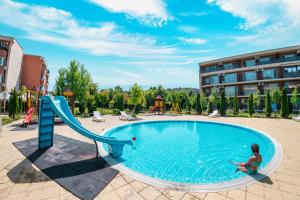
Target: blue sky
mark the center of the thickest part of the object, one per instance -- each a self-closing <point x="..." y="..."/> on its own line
<point x="148" y="42"/>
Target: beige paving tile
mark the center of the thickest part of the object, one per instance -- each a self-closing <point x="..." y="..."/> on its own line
<point x="287" y="196"/>
<point x="125" y="192"/>
<point x="214" y="196"/>
<point x="162" y="197"/>
<point x="199" y="195"/>
<point x="174" y="195"/>
<point x="149" y="193"/>
<point x="33" y="194"/>
<point x="286" y="187"/>
<point x="108" y="188"/>
<point x="51" y="191"/>
<point x="5" y="189"/>
<point x="20" y="187"/>
<point x="256" y="189"/>
<point x="118" y="182"/>
<point x="251" y="196"/>
<point x="69" y="196"/>
<point x="272" y="194"/>
<point x="187" y="196"/>
<point x="109" y="196"/>
<point x="127" y="178"/>
<point x="236" y="194"/>
<point x="137" y="185"/>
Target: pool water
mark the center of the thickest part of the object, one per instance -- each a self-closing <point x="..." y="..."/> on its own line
<point x="189" y="151"/>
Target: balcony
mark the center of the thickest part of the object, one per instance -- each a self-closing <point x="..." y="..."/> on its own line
<point x="272" y="61"/>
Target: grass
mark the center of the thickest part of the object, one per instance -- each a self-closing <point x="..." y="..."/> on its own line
<point x="7" y="119"/>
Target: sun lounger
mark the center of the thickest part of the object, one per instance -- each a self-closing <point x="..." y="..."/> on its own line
<point x="297" y="118"/>
<point x="214" y="114"/>
<point x="124" y="116"/>
<point x="97" y="117"/>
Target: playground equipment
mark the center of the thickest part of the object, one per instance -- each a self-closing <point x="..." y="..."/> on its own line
<point x="158" y="105"/>
<point x="28" y="117"/>
<point x="175" y="108"/>
<point x="49" y="106"/>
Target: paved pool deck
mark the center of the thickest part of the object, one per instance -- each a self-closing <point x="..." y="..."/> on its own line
<point x="30" y="183"/>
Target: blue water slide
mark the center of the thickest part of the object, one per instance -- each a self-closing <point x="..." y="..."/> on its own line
<point x="49" y="106"/>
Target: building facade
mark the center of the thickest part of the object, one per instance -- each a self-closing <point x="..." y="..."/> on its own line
<point x="243" y="75"/>
<point x="11" y="57"/>
<point x="18" y="69"/>
<point x="35" y="74"/>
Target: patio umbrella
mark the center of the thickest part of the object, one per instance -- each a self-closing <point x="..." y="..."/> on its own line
<point x="4" y="96"/>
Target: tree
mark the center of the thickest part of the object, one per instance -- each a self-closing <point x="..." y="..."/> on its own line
<point x="77" y="79"/>
<point x="13" y="104"/>
<point x="284" y="110"/>
<point x="136" y="97"/>
<point x="203" y="101"/>
<point x="198" y="104"/>
<point x="276" y="96"/>
<point x="209" y="107"/>
<point x="268" y="108"/>
<point x="256" y="98"/>
<point x="250" y="105"/>
<point x="235" y="106"/>
<point x="295" y="100"/>
<point x="222" y="103"/>
<point x="213" y="98"/>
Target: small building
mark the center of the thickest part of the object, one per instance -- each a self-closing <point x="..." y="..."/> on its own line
<point x="11" y="56"/>
<point x="35" y="73"/>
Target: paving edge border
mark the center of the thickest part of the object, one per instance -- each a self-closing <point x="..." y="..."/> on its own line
<point x="217" y="187"/>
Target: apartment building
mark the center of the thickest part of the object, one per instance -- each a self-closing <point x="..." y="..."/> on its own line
<point x="18" y="69"/>
<point x="245" y="74"/>
<point x="35" y="74"/>
<point x="11" y="55"/>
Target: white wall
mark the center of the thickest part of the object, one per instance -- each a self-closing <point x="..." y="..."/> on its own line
<point x="14" y="67"/>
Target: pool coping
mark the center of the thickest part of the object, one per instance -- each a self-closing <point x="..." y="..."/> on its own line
<point x="187" y="187"/>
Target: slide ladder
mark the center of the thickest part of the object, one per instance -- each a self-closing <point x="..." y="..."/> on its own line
<point x="58" y="105"/>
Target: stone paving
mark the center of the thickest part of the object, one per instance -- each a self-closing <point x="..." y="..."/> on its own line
<point x="28" y="182"/>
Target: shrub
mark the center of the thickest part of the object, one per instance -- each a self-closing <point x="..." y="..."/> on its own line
<point x="116" y="111"/>
<point x="268" y="108"/>
<point x="198" y="105"/>
<point x="13" y="104"/>
<point x="250" y="105"/>
<point x="235" y="106"/>
<point x="223" y="103"/>
<point x="209" y="107"/>
<point x="284" y="110"/>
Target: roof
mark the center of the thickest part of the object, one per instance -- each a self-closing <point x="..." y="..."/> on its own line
<point x="252" y="54"/>
<point x="11" y="39"/>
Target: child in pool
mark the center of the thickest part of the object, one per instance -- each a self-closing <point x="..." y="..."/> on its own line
<point x="252" y="165"/>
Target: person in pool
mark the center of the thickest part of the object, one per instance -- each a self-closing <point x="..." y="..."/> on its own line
<point x="252" y="165"/>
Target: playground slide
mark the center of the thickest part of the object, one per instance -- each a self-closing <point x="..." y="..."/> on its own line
<point x="28" y="116"/>
<point x="58" y="105"/>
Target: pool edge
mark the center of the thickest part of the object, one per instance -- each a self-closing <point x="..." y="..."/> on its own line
<point x="216" y="187"/>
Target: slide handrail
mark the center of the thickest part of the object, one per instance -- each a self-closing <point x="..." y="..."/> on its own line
<point x="61" y="108"/>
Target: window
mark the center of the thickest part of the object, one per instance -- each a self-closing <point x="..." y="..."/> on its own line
<point x="230" y="78"/>
<point x="291" y="55"/>
<point x="206" y="81"/>
<point x="230" y="91"/>
<point x="250" y="63"/>
<point x="228" y="66"/>
<point x="1" y="78"/>
<point x="265" y="60"/>
<point x="293" y="71"/>
<point x="214" y="79"/>
<point x="1" y="60"/>
<point x="210" y="68"/>
<point x="249" y="89"/>
<point x="269" y="74"/>
<point x="250" y="76"/>
<point x="270" y="87"/>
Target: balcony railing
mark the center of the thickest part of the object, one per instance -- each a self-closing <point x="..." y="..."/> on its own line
<point x="221" y="67"/>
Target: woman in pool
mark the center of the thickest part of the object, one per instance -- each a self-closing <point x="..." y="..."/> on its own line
<point x="252" y="165"/>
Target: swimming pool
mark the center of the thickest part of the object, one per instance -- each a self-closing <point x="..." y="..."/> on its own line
<point x="190" y="153"/>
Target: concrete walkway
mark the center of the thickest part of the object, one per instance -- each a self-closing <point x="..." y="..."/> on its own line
<point x="30" y="183"/>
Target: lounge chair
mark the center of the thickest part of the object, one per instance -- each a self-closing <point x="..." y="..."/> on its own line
<point x="215" y="113"/>
<point x="97" y="117"/>
<point x="297" y="118"/>
<point x="124" y="116"/>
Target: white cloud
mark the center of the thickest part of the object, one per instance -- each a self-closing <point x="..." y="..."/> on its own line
<point x="193" y="14"/>
<point x="51" y="25"/>
<point x="273" y="23"/>
<point x="128" y="74"/>
<point x="197" y="41"/>
<point x="188" y="29"/>
<point x="150" y="12"/>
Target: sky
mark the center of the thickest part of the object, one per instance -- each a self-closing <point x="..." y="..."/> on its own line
<point x="149" y="42"/>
